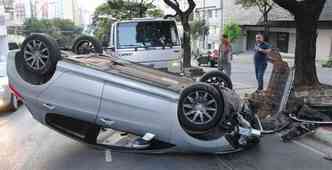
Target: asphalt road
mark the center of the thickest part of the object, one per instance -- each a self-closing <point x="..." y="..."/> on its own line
<point x="25" y="144"/>
<point x="243" y="72"/>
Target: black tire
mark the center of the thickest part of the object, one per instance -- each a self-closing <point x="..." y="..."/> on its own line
<point x="91" y="45"/>
<point x="40" y="54"/>
<point x="217" y="79"/>
<point x="201" y="102"/>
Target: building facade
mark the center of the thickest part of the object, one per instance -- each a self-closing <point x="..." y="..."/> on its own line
<point x="282" y="28"/>
<point x="208" y="10"/>
<point x="211" y="11"/>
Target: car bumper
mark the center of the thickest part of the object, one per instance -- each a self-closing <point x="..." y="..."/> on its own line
<point x="4" y="98"/>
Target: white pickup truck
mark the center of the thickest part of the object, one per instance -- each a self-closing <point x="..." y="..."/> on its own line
<point x="151" y="42"/>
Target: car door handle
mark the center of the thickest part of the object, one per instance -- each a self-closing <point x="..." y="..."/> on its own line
<point x="107" y="122"/>
<point x="49" y="106"/>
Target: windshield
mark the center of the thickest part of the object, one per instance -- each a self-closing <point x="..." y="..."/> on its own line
<point x="147" y="34"/>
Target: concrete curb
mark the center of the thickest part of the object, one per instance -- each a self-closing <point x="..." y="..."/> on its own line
<point x="324" y="134"/>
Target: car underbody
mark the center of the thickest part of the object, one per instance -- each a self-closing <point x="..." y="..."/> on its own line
<point x="91" y="95"/>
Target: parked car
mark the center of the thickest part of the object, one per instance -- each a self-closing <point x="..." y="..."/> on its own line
<point x="78" y="95"/>
<point x="210" y="59"/>
<point x="8" y="101"/>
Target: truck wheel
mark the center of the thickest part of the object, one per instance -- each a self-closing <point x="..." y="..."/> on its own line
<point x="40" y="54"/>
<point x="200" y="108"/>
<point x="217" y="79"/>
<point x="87" y="44"/>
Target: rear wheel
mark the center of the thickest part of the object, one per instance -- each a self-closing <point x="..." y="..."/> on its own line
<point x="200" y="108"/>
<point x="40" y="53"/>
<point x="37" y="60"/>
<point x="217" y="79"/>
<point x="87" y="44"/>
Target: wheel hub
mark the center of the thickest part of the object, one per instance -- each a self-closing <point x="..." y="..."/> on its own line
<point x="200" y="108"/>
<point x="36" y="55"/>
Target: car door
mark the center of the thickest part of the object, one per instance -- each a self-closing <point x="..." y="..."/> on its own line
<point x="131" y="106"/>
<point x="74" y="94"/>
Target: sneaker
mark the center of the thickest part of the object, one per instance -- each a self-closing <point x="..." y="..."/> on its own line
<point x="140" y="143"/>
<point x="259" y="91"/>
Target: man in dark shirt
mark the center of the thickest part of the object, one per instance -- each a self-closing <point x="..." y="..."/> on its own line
<point x="262" y="48"/>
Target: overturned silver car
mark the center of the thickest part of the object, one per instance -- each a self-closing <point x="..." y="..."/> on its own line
<point x="85" y="95"/>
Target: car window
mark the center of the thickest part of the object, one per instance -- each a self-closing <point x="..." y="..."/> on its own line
<point x="147" y="34"/>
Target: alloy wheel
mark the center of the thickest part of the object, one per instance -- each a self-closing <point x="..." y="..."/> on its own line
<point x="36" y="55"/>
<point x="200" y="107"/>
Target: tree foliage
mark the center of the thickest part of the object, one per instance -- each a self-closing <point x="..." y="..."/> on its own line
<point x="264" y="6"/>
<point x="232" y="30"/>
<point x="61" y="29"/>
<point x="199" y="28"/>
<point x="122" y="10"/>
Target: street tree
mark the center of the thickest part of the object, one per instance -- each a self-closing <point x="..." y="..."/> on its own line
<point x="199" y="28"/>
<point x="232" y="30"/>
<point x="121" y="9"/>
<point x="264" y="6"/>
<point x="307" y="14"/>
<point x="63" y="30"/>
<point x="184" y="16"/>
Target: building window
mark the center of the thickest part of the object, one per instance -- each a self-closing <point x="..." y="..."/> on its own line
<point x="216" y="13"/>
<point x="198" y="14"/>
<point x="210" y="13"/>
<point x="209" y="45"/>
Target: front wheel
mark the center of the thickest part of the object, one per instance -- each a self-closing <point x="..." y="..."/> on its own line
<point x="200" y="108"/>
<point x="87" y="44"/>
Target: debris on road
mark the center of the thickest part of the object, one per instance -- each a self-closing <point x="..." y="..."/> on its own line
<point x="281" y="107"/>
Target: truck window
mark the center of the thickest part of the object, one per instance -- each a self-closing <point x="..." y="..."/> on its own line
<point x="147" y="34"/>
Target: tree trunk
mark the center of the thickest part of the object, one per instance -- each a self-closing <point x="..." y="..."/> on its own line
<point x="305" y="52"/>
<point x="266" y="26"/>
<point x="186" y="43"/>
<point x="307" y="13"/>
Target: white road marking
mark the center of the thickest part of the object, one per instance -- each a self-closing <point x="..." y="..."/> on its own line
<point x="108" y="155"/>
<point x="310" y="148"/>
